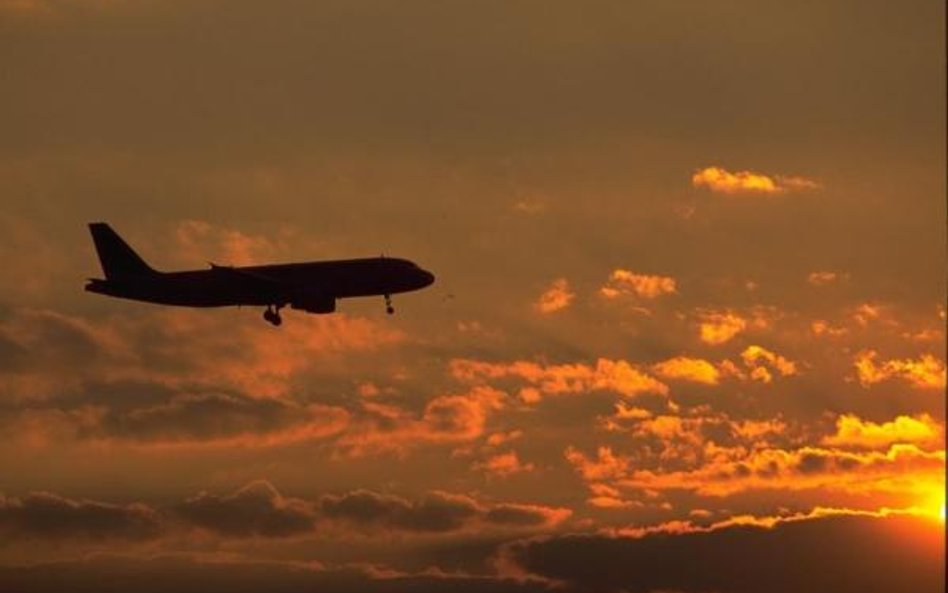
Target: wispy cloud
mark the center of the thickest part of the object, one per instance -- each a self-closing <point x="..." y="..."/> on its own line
<point x="558" y="296"/>
<point x="504" y="464"/>
<point x="824" y="277"/>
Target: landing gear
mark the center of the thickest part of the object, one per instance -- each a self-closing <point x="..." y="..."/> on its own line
<point x="388" y="304"/>
<point x="272" y="315"/>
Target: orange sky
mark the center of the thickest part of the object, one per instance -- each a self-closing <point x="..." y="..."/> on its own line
<point x="687" y="334"/>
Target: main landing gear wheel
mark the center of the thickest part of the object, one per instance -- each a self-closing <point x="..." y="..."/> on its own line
<point x="272" y="315"/>
<point x="388" y="304"/>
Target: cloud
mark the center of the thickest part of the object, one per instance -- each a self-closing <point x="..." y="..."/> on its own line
<point x="531" y="205"/>
<point x="221" y="245"/>
<point x="145" y="415"/>
<point x="688" y="369"/>
<point x="257" y="509"/>
<point x="867" y="553"/>
<point x="46" y="515"/>
<point x="867" y="312"/>
<point x="821" y="327"/>
<point x="718" y="327"/>
<point x="625" y="282"/>
<point x="674" y="441"/>
<point x="606" y="464"/>
<point x="504" y="464"/>
<point x="437" y="512"/>
<point x="822" y="278"/>
<point x="852" y="431"/>
<point x="903" y="468"/>
<point x="608" y="497"/>
<point x="200" y="572"/>
<point x="445" y="419"/>
<point x="547" y="380"/>
<point x="558" y="296"/>
<point x="758" y="364"/>
<point x="925" y="372"/>
<point x="719" y="180"/>
<point x="217" y="420"/>
<point x="753" y="356"/>
<point x="500" y="438"/>
<point x="179" y="348"/>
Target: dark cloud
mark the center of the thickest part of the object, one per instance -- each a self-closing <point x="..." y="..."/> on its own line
<point x="184" y="574"/>
<point x="257" y="509"/>
<point x="189" y="417"/>
<point x="45" y="515"/>
<point x="54" y="341"/>
<point x="832" y="555"/>
<point x="437" y="512"/>
<point x="519" y="515"/>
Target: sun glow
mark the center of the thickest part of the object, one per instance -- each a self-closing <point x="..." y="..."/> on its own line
<point x="937" y="505"/>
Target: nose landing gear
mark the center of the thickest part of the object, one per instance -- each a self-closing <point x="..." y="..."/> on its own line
<point x="388" y="304"/>
<point x="272" y="315"/>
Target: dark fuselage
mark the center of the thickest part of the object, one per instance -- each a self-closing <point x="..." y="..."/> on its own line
<point x="296" y="284"/>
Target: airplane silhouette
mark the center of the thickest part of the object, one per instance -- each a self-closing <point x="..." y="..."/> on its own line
<point x="312" y="287"/>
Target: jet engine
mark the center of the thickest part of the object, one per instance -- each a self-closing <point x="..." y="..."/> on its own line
<point x="314" y="303"/>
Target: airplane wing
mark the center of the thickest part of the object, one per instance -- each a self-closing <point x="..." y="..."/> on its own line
<point x="260" y="281"/>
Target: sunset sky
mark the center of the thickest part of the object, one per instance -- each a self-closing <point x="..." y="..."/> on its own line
<point x="687" y="333"/>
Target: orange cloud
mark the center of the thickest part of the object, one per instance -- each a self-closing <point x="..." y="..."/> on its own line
<point x="765" y="521"/>
<point x="822" y="278"/>
<point x="183" y="349"/>
<point x="607" y="497"/>
<point x="222" y="245"/>
<point x="823" y="328"/>
<point x="608" y="375"/>
<point x="643" y="285"/>
<point x="500" y="438"/>
<point x="903" y="468"/>
<point x="504" y="464"/>
<point x="754" y="355"/>
<point x="867" y="312"/>
<point x="558" y="296"/>
<point x="719" y="327"/>
<point x="445" y="419"/>
<point x="605" y="466"/>
<point x="702" y="435"/>
<point x="926" y="372"/>
<point x="719" y="180"/>
<point x="853" y="431"/>
<point x="688" y="369"/>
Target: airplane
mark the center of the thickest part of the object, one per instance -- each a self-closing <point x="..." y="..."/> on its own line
<point x="313" y="287"/>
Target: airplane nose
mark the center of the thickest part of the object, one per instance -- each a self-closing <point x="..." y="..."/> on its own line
<point x="426" y="278"/>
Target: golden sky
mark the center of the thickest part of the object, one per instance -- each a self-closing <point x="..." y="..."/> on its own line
<point x="687" y="334"/>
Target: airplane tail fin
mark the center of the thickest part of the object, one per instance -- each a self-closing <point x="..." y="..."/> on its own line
<point x="117" y="258"/>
